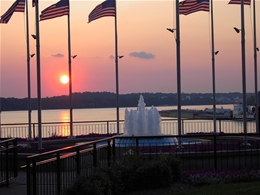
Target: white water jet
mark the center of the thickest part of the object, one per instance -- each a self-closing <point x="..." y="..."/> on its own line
<point x="143" y="121"/>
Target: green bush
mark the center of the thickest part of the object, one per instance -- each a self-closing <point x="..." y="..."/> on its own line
<point x="132" y="173"/>
<point x="153" y="174"/>
<point x="174" y="164"/>
<point x="101" y="181"/>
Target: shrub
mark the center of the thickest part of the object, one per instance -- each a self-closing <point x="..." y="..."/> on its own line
<point x="100" y="181"/>
<point x="153" y="174"/>
<point x="174" y="164"/>
<point x="133" y="172"/>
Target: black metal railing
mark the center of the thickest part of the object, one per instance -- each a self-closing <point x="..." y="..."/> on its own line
<point x="51" y="172"/>
<point x="8" y="160"/>
<point x="168" y="126"/>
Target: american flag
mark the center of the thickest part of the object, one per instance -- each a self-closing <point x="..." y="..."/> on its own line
<point x="18" y="6"/>
<point x="56" y="10"/>
<point x="107" y="8"/>
<point x="238" y="2"/>
<point x="190" y="6"/>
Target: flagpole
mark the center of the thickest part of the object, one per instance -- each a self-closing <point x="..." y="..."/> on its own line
<point x="28" y="72"/>
<point x="178" y="68"/>
<point x="116" y="64"/>
<point x="38" y="75"/>
<point x="213" y="66"/>
<point x="255" y="69"/>
<point x="0" y="114"/>
<point x="70" y="79"/>
<point x="243" y="67"/>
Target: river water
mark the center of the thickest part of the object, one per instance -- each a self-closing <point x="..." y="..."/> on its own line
<point x="93" y="117"/>
<point x="90" y="114"/>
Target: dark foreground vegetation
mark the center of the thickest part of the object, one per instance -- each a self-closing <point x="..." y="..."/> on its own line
<point x="242" y="188"/>
<point x="132" y="173"/>
<point x="136" y="175"/>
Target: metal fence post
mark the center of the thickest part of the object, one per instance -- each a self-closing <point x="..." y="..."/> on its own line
<point x="28" y="174"/>
<point x="107" y="127"/>
<point x="15" y="157"/>
<point x="34" y="175"/>
<point x="58" y="173"/>
<point x="219" y="125"/>
<point x="33" y="130"/>
<point x="215" y="152"/>
<point x="114" y="149"/>
<point x="182" y="126"/>
<point x="137" y="146"/>
<point x="7" y="162"/>
<point x="78" y="161"/>
<point x="108" y="152"/>
<point x="95" y="154"/>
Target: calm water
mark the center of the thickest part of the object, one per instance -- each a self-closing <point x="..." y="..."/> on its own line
<point x="96" y="114"/>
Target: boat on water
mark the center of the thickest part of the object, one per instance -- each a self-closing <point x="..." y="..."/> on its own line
<point x="238" y="112"/>
<point x="221" y="113"/>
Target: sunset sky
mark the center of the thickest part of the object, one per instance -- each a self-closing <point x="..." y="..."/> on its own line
<point x="149" y="63"/>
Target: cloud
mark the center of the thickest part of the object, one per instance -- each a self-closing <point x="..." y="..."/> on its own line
<point x="57" y="55"/>
<point x="111" y="57"/>
<point x="142" y="55"/>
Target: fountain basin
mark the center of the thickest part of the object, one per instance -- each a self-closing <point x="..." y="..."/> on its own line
<point x="157" y="141"/>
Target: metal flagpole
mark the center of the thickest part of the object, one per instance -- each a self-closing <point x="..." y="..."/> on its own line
<point x="178" y="56"/>
<point x="28" y="73"/>
<point x="255" y="69"/>
<point x="116" y="64"/>
<point x="213" y="66"/>
<point x="243" y="67"/>
<point x="70" y="79"/>
<point x="0" y="113"/>
<point x="38" y="75"/>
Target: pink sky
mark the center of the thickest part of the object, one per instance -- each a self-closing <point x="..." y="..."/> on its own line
<point x="141" y="32"/>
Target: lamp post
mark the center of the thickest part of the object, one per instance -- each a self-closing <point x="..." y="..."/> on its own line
<point x="255" y="70"/>
<point x="70" y="92"/>
<point x="177" y="40"/>
<point x="243" y="73"/>
<point x="242" y="30"/>
<point x="38" y="62"/>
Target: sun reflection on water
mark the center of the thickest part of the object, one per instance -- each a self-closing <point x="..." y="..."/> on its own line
<point x="64" y="129"/>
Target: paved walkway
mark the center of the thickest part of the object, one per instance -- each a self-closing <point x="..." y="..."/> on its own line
<point x="17" y="185"/>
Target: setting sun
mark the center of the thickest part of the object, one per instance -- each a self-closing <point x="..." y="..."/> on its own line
<point x="64" y="79"/>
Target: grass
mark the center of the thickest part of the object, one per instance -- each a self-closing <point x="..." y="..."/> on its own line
<point x="252" y="188"/>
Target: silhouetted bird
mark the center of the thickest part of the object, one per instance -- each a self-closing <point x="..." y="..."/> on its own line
<point x="171" y="30"/>
<point x="74" y="56"/>
<point x="257" y="49"/>
<point x="236" y="29"/>
<point x="32" y="55"/>
<point x="216" y="52"/>
<point x="120" y="57"/>
<point x="34" y="36"/>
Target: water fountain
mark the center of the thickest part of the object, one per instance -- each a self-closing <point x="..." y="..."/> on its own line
<point x="144" y="122"/>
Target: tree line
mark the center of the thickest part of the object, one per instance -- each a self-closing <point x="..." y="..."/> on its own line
<point x="108" y="100"/>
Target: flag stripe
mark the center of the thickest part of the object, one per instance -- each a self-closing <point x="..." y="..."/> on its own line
<point x="18" y="6"/>
<point x="56" y="10"/>
<point x="107" y="8"/>
<point x="238" y="2"/>
<point x="190" y="6"/>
